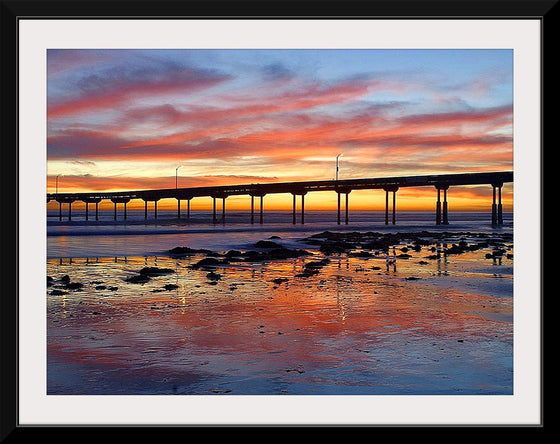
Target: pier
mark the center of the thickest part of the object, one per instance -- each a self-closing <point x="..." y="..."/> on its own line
<point x="391" y="185"/>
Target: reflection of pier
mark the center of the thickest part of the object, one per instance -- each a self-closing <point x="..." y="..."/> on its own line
<point x="442" y="260"/>
<point x="441" y="182"/>
<point x="391" y="260"/>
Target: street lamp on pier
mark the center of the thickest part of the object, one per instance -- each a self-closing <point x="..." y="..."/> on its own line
<point x="176" y="169"/>
<point x="340" y="155"/>
<point x="60" y="175"/>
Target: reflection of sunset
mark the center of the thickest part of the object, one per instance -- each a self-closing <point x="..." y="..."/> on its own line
<point x="258" y="317"/>
<point x="124" y="120"/>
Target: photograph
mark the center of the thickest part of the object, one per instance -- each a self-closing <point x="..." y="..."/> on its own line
<point x="278" y="221"/>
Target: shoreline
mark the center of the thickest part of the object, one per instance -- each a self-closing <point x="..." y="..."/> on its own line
<point x="404" y="312"/>
<point x="316" y="239"/>
<point x="388" y="248"/>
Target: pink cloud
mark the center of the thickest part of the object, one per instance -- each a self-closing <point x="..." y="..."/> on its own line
<point x="116" y="88"/>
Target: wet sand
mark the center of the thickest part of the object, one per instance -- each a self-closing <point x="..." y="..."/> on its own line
<point x="424" y="313"/>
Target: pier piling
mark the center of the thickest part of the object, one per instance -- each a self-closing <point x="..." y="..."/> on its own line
<point x="497" y="217"/>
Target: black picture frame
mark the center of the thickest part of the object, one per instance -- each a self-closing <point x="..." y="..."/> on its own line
<point x="13" y="11"/>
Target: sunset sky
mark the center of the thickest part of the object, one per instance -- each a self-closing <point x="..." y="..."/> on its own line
<point x="126" y="119"/>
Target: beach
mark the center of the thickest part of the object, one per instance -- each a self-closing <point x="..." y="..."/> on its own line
<point x="320" y="309"/>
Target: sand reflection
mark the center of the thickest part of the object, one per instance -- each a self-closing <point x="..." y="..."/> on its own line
<point x="358" y="326"/>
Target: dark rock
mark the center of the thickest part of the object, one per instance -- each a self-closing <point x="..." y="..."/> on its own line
<point x="360" y="254"/>
<point x="334" y="247"/>
<point x="275" y="254"/>
<point x="208" y="262"/>
<point x="286" y="253"/>
<point x="65" y="279"/>
<point x="100" y="287"/>
<point x="312" y="268"/>
<point x="267" y="244"/>
<point x="58" y="292"/>
<point x="214" y="276"/>
<point x="74" y="285"/>
<point x="155" y="271"/>
<point x="113" y="288"/>
<point x="186" y="251"/>
<point x="279" y="280"/>
<point x="255" y="256"/>
<point x="317" y="264"/>
<point x="170" y="286"/>
<point x="378" y="244"/>
<point x="455" y="249"/>
<point x="274" y="237"/>
<point x="139" y="279"/>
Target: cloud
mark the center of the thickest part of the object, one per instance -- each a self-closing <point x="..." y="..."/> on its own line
<point x="146" y="110"/>
<point x="88" y="163"/>
<point x="460" y="117"/>
<point x="105" y="183"/>
<point x="277" y="71"/>
<point x="67" y="60"/>
<point x="303" y="98"/>
<point x="119" y="85"/>
<point x="426" y="137"/>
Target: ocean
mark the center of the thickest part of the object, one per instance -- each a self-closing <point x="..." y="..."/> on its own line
<point x="429" y="320"/>
<point x="137" y="236"/>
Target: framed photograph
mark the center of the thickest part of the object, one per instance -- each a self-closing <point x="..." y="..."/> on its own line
<point x="243" y="214"/>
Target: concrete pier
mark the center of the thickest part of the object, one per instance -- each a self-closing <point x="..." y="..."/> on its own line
<point x="117" y="200"/>
<point x="442" y="216"/>
<point x="346" y="192"/>
<point x="294" y="206"/>
<point x="391" y="189"/>
<point x="497" y="217"/>
<point x="445" y="214"/>
<point x="147" y="199"/>
<point x="442" y="182"/>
